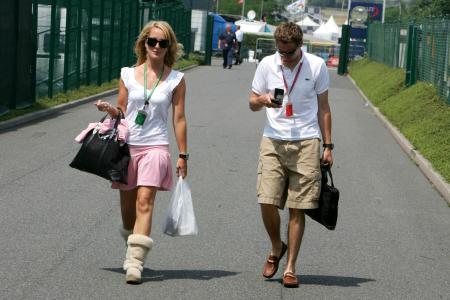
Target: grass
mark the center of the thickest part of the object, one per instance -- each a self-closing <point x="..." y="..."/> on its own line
<point x="85" y="91"/>
<point x="417" y="111"/>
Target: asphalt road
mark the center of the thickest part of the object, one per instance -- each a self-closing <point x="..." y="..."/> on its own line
<point x="59" y="226"/>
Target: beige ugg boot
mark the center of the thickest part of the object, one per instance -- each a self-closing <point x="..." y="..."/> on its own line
<point x="125" y="233"/>
<point x="138" y="247"/>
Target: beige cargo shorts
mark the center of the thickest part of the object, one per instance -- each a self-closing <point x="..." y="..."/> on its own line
<point x="289" y="173"/>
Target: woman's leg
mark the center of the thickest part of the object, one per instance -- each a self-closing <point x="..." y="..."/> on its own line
<point x="139" y="243"/>
<point x="128" y="208"/>
<point x="144" y="210"/>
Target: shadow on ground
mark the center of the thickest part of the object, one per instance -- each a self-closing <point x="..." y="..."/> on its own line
<point x="160" y="275"/>
<point x="330" y="280"/>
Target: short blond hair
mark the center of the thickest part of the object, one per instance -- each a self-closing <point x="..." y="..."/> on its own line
<point x="173" y="51"/>
<point x="289" y="33"/>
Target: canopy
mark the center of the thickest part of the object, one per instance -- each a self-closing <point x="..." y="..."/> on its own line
<point x="324" y="33"/>
<point x="251" y="26"/>
<point x="332" y="26"/>
<point x="307" y="22"/>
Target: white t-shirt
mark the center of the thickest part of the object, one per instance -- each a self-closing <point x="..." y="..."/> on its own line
<point x="312" y="81"/>
<point x="239" y="35"/>
<point x="154" y="130"/>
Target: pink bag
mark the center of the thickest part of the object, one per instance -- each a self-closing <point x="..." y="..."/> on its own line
<point x="103" y="127"/>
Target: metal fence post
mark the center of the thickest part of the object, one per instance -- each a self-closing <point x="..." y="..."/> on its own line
<point x="411" y="60"/>
<point x="100" y="47"/>
<point x="78" y="69"/>
<point x="51" y="62"/>
<point x="89" y="45"/>
<point x="208" y="39"/>
<point x="111" y="38"/>
<point x="67" y="45"/>
<point x="343" y="52"/>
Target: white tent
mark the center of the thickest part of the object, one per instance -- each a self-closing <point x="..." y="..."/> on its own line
<point x="324" y="33"/>
<point x="251" y="26"/>
<point x="331" y="25"/>
<point x="307" y="22"/>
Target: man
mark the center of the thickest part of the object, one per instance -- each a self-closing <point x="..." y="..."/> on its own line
<point x="289" y="162"/>
<point x="239" y="37"/>
<point x="227" y="42"/>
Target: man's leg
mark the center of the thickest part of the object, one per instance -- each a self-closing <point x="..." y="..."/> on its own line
<point x="271" y="220"/>
<point x="225" y="56"/>
<point x="295" y="234"/>
<point x="230" y="57"/>
<point x="239" y="59"/>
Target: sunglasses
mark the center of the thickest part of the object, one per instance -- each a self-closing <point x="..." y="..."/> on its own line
<point x="288" y="53"/>
<point x="162" y="43"/>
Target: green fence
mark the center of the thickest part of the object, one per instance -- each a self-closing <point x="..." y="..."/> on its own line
<point x="421" y="48"/>
<point x="82" y="42"/>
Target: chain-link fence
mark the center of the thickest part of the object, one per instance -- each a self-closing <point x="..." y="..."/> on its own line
<point x="421" y="48"/>
<point x="82" y="42"/>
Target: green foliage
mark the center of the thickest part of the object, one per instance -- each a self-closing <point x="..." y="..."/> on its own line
<point x="392" y="14"/>
<point x="324" y="3"/>
<point x="429" y="8"/>
<point x="418" y="112"/>
<point x="377" y="90"/>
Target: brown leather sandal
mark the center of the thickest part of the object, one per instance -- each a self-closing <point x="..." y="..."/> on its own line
<point x="271" y="265"/>
<point x="290" y="280"/>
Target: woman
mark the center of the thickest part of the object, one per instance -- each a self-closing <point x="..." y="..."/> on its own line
<point x="146" y="92"/>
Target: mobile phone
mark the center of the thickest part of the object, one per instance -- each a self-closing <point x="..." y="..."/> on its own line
<point x="278" y="95"/>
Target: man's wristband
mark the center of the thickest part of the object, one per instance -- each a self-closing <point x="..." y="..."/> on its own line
<point x="329" y="146"/>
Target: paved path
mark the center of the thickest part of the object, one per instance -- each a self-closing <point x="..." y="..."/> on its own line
<point x="59" y="227"/>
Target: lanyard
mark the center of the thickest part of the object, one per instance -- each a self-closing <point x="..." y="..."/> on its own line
<point x="147" y="99"/>
<point x="295" y="79"/>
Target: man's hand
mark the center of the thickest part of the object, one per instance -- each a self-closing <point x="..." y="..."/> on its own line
<point x="266" y="100"/>
<point x="327" y="157"/>
<point x="259" y="101"/>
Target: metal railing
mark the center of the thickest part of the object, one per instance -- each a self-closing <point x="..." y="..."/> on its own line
<point x="421" y="48"/>
<point x="82" y="42"/>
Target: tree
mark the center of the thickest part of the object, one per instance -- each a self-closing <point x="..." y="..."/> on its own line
<point x="323" y="3"/>
<point x="429" y="8"/>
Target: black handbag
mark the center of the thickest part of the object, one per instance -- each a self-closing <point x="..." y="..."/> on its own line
<point x="327" y="212"/>
<point x="103" y="154"/>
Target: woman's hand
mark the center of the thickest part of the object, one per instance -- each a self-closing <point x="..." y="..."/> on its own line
<point x="106" y="107"/>
<point x="181" y="167"/>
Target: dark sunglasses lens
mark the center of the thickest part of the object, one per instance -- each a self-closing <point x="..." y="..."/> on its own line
<point x="290" y="53"/>
<point x="164" y="43"/>
<point x="152" y="42"/>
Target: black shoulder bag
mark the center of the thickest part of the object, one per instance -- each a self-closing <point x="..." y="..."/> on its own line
<point x="327" y="212"/>
<point x="103" y="154"/>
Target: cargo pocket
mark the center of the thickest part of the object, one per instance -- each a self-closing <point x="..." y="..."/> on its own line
<point x="259" y="178"/>
<point x="310" y="187"/>
<point x="315" y="193"/>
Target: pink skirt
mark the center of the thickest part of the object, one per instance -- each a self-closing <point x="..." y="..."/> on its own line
<point x="148" y="166"/>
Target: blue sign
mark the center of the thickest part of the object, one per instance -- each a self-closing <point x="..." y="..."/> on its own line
<point x="359" y="14"/>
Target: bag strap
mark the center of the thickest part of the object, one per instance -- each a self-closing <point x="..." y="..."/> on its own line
<point x="331" y="177"/>
<point x="116" y="124"/>
<point x="327" y="170"/>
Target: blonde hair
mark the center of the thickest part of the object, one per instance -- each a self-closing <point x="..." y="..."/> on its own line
<point x="173" y="51"/>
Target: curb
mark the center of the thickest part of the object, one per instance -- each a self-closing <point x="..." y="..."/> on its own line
<point x="41" y="114"/>
<point x="439" y="183"/>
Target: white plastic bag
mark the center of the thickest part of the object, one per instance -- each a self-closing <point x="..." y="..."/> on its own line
<point x="180" y="217"/>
